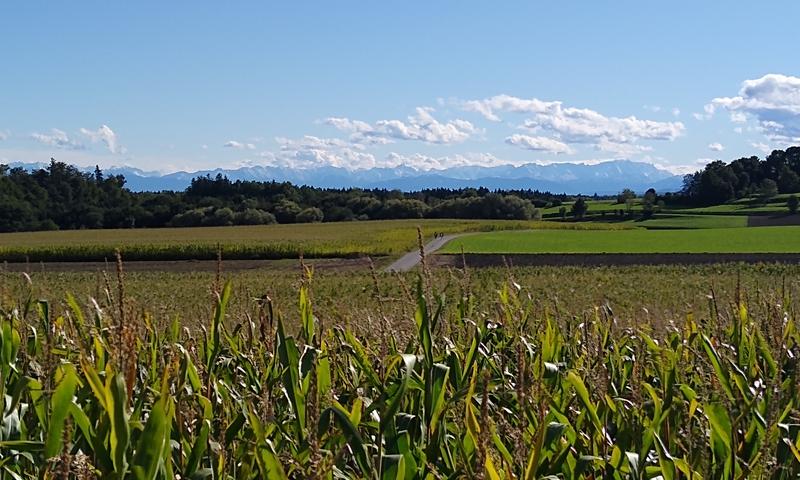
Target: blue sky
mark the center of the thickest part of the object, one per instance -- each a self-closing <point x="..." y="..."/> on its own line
<point x="194" y="85"/>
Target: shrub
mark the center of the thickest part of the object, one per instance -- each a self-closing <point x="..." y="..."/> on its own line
<point x="310" y="215"/>
<point x="254" y="216"/>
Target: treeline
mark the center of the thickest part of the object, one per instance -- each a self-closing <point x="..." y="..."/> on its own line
<point x="719" y="182"/>
<point x="63" y="197"/>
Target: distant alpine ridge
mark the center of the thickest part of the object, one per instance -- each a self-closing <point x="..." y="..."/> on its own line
<point x="572" y="178"/>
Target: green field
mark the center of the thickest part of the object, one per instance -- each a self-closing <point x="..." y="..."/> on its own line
<point x="316" y="240"/>
<point x="723" y="240"/>
<point x="737" y="209"/>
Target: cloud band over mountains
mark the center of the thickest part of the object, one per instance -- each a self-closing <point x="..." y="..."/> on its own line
<point x="491" y="131"/>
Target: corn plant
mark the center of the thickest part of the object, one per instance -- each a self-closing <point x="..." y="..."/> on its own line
<point x="466" y="387"/>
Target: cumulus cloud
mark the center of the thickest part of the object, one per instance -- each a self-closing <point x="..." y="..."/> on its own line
<point x="421" y="161"/>
<point x="347" y="125"/>
<point x="59" y="139"/>
<point x="104" y="135"/>
<point x="738" y="117"/>
<point x="312" y="142"/>
<point x="621" y="149"/>
<point x="571" y="125"/>
<point x="239" y="145"/>
<point x="420" y="127"/>
<point x="716" y="147"/>
<point x="772" y="100"/>
<point x="313" y="152"/>
<point x="708" y="112"/>
<point x="539" y="144"/>
<point x="762" y="147"/>
<point x="310" y="152"/>
<point x="676" y="112"/>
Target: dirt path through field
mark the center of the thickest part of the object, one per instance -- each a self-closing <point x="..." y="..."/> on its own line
<point x="411" y="259"/>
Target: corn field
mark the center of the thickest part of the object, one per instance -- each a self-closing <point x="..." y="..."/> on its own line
<point x="466" y="388"/>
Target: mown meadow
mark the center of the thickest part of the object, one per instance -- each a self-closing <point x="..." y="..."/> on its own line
<point x="445" y="374"/>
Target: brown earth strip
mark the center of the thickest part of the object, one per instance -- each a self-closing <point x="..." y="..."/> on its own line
<point x="772" y="220"/>
<point x="605" y="259"/>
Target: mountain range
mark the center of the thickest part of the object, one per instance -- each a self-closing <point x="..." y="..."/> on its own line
<point x="572" y="178"/>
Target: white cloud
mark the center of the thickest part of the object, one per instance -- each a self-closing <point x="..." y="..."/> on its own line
<point x="312" y="142"/>
<point x="239" y="145"/>
<point x="588" y="126"/>
<point x="204" y="147"/>
<point x="772" y="100"/>
<point x="347" y="125"/>
<point x="59" y="139"/>
<point x="421" y="161"/>
<point x="676" y="112"/>
<point x="738" y="117"/>
<point x="540" y="144"/>
<point x="762" y="147"/>
<point x="622" y="149"/>
<point x="105" y="135"/>
<point x="421" y="127"/>
<point x="571" y="125"/>
<point x="3" y="135"/>
<point x="686" y="169"/>
<point x="652" y="108"/>
<point x="310" y="152"/>
<point x="716" y="147"/>
<point x="708" y="112"/>
<point x="698" y="164"/>
<point x="507" y="103"/>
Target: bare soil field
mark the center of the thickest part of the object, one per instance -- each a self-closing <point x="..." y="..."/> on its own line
<point x="772" y="220"/>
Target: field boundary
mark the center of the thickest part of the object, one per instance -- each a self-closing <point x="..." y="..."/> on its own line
<point x="606" y="259"/>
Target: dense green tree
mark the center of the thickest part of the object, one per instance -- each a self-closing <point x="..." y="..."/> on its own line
<point x="579" y="208"/>
<point x="286" y="211"/>
<point x="625" y="195"/>
<point x="792" y="203"/>
<point x="745" y="177"/>
<point x="768" y="189"/>
<point x="788" y="180"/>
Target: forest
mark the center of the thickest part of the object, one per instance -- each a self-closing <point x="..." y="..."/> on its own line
<point x="62" y="196"/>
<point x="720" y="182"/>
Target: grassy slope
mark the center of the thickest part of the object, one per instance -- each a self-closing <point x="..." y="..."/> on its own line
<point x="744" y="206"/>
<point x="728" y="240"/>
